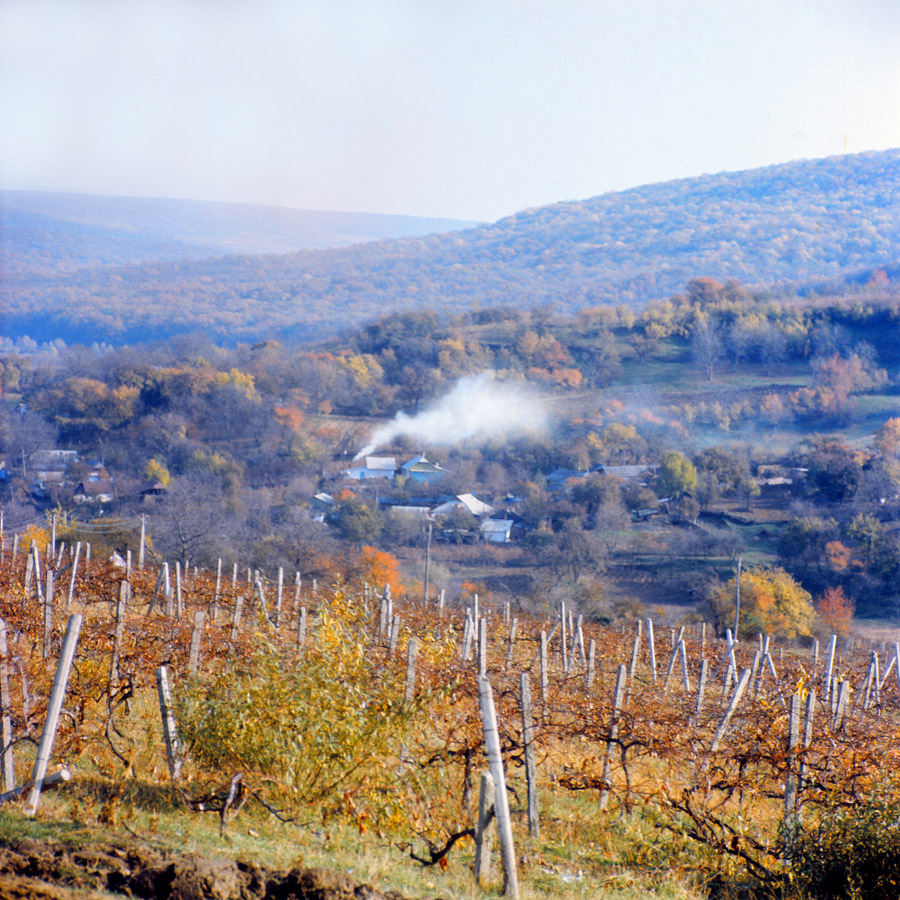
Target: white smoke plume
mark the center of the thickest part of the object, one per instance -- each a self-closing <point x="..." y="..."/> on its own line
<point x="477" y="408"/>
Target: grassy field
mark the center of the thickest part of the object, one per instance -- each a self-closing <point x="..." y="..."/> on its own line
<point x="80" y="816"/>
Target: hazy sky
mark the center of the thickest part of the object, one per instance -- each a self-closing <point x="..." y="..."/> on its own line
<point x="466" y="108"/>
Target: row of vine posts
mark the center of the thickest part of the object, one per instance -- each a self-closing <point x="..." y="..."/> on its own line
<point x="688" y="723"/>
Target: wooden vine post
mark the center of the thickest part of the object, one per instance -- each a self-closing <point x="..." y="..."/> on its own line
<point x="511" y="643"/>
<point x="486" y="808"/>
<point x="395" y="635"/>
<point x="118" y="634"/>
<point x="467" y="637"/>
<point x="651" y="649"/>
<point x="196" y="638"/>
<point x="54" y="707"/>
<point x="74" y="572"/>
<point x="214" y="610"/>
<point x="279" y="597"/>
<point x="412" y="650"/>
<point x="301" y="627"/>
<point x="170" y="731"/>
<point x="545" y="685"/>
<point x="179" y="601"/>
<point x="482" y="648"/>
<point x="635" y="653"/>
<point x="534" y="826"/>
<point x="578" y="640"/>
<point x="701" y="686"/>
<point x="48" y="616"/>
<point x="729" y="712"/>
<point x="236" y="618"/>
<point x="832" y="646"/>
<point x="685" y="672"/>
<point x="142" y="549"/>
<point x="6" y="753"/>
<point x="563" y="648"/>
<point x="501" y="802"/>
<point x="618" y="700"/>
<point x="791" y="781"/>
<point x="808" y="714"/>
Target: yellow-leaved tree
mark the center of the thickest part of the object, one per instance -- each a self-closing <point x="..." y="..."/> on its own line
<point x="157" y="471"/>
<point x="324" y="727"/>
<point x="772" y="602"/>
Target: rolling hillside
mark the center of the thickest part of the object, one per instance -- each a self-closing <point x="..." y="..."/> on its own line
<point x="802" y="222"/>
<point x="46" y="233"/>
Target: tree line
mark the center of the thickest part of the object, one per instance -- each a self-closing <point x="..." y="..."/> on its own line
<point x="242" y="437"/>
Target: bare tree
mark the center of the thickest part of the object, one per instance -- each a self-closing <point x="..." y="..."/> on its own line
<point x="189" y="523"/>
<point x="708" y="345"/>
<point x="772" y="346"/>
<point x="21" y="433"/>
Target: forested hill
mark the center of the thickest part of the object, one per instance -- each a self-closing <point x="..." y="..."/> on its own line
<point x="797" y="222"/>
<point x="48" y="233"/>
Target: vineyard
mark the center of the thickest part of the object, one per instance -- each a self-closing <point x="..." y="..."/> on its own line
<point x="672" y="760"/>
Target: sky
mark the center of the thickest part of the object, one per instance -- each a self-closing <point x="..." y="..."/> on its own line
<point x="470" y="109"/>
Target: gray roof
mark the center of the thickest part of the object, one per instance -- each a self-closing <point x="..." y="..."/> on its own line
<point x="469" y="502"/>
<point x="626" y="471"/>
<point x="381" y="463"/>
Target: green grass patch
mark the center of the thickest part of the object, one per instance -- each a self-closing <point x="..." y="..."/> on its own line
<point x="580" y="853"/>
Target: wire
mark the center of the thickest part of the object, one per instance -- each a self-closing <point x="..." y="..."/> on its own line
<point x="111" y="526"/>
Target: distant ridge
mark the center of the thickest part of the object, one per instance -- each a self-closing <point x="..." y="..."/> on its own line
<point x="45" y="231"/>
<point x="804" y="222"/>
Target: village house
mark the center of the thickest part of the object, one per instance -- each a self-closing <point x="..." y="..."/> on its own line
<point x="420" y="470"/>
<point x="469" y="502"/>
<point x="50" y="468"/>
<point x="408" y="511"/>
<point x="384" y="467"/>
<point x="496" y="531"/>
<point x="560" y="480"/>
<point x="148" y="491"/>
<point x="53" y="460"/>
<point x="322" y="506"/>
<point x="94" y="492"/>
<point x="628" y="473"/>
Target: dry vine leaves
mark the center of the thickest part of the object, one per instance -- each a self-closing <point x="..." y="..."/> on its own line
<point x="320" y="729"/>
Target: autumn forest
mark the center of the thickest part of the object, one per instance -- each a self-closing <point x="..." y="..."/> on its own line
<point x="312" y="483"/>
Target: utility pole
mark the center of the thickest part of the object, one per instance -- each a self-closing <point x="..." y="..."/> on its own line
<point x="428" y="560"/>
<point x="737" y="600"/>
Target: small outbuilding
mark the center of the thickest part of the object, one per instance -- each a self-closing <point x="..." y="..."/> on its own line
<point x="496" y="531"/>
<point x="94" y="492"/>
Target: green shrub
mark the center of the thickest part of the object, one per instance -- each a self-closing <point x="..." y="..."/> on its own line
<point x="849" y="854"/>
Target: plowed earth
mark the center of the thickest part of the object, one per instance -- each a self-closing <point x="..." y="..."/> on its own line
<point x="39" y="869"/>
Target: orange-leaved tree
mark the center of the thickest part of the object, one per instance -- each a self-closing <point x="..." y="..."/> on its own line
<point x="469" y="589"/>
<point x="379" y="568"/>
<point x="835" y="609"/>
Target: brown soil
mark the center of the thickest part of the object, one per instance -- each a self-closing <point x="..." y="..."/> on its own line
<point x="52" y="871"/>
